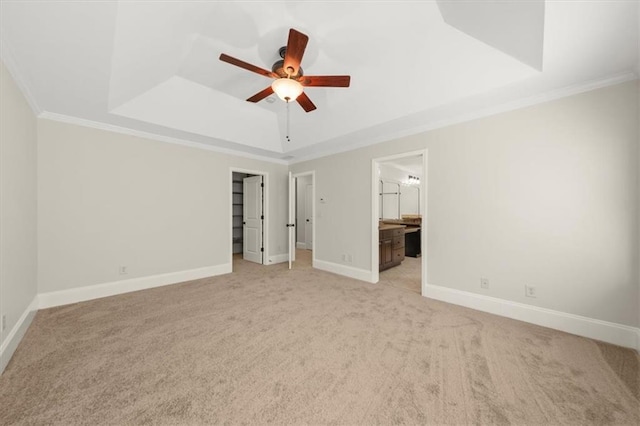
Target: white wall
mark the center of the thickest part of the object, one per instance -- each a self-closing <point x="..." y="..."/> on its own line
<point x="301" y="211"/>
<point x="546" y="196"/>
<point x="18" y="211"/>
<point x="109" y="200"/>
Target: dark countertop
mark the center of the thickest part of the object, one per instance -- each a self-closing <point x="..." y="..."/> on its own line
<point x="401" y="222"/>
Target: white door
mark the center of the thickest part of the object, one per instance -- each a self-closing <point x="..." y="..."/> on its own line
<point x="308" y="211"/>
<point x="252" y="219"/>
<point x="292" y="220"/>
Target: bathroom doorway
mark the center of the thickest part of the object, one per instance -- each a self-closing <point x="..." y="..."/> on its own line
<point x="399" y="231"/>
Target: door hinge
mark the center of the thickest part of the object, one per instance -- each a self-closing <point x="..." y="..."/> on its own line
<point x="261" y="185"/>
<point x="262" y="216"/>
<point x="291" y="225"/>
<point x="261" y="248"/>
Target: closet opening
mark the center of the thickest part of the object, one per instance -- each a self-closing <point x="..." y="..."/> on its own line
<point x="248" y="221"/>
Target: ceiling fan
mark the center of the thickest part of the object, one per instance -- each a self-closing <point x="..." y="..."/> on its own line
<point x="288" y="74"/>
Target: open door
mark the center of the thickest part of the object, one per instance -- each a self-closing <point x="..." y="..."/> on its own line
<point x="252" y="220"/>
<point x="291" y="223"/>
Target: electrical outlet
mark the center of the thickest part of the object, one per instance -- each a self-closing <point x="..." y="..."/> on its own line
<point x="530" y="291"/>
<point x="484" y="283"/>
<point x="124" y="270"/>
<point x="4" y="322"/>
<point x="349" y="258"/>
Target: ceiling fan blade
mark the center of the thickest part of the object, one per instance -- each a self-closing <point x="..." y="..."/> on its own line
<point x="326" y="80"/>
<point x="295" y="49"/>
<point x="261" y="95"/>
<point x="247" y="66"/>
<point x="305" y="102"/>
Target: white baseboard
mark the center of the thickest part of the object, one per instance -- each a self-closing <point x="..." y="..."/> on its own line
<point x="16" y="334"/>
<point x="618" y="334"/>
<point x="278" y="258"/>
<point x="347" y="271"/>
<point x="80" y="294"/>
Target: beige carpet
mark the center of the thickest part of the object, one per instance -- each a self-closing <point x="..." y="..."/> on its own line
<point x="407" y="275"/>
<point x="268" y="345"/>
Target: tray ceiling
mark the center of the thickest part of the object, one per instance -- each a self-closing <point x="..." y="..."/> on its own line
<point x="152" y="67"/>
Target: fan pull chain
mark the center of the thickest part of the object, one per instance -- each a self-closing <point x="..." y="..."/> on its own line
<point x="288" y="124"/>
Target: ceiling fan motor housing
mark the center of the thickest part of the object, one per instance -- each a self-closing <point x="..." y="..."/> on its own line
<point x="278" y="66"/>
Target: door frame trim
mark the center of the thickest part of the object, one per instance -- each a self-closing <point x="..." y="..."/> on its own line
<point x="375" y="212"/>
<point x="311" y="173"/>
<point x="265" y="210"/>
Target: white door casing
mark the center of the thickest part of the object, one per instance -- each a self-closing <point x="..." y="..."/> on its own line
<point x="291" y="234"/>
<point x="308" y="211"/>
<point x="252" y="220"/>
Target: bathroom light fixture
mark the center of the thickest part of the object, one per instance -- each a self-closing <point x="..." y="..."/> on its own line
<point x="287" y="89"/>
<point x="413" y="180"/>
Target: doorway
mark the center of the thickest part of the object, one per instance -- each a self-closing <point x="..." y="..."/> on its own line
<point x="302" y="209"/>
<point x="399" y="221"/>
<point x="304" y="212"/>
<point x="248" y="219"/>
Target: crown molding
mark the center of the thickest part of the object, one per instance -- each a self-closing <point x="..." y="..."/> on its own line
<point x="362" y="143"/>
<point x="153" y="136"/>
<point x="528" y="101"/>
<point x="477" y="114"/>
<point x="7" y="59"/>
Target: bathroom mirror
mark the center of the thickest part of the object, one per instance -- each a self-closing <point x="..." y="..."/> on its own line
<point x="398" y="199"/>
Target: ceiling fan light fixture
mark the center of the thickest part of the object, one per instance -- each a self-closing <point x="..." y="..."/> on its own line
<point x="287" y="89"/>
<point x="287" y="74"/>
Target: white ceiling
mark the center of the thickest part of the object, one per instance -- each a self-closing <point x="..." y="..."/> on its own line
<point x="152" y="67"/>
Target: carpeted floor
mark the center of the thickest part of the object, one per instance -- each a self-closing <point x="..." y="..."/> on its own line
<point x="268" y="345"/>
<point x="407" y="275"/>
